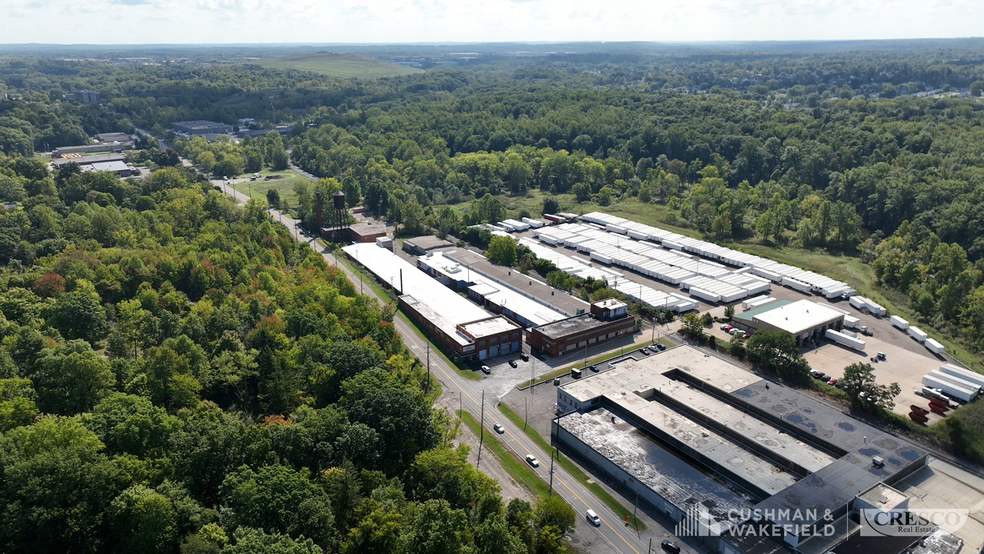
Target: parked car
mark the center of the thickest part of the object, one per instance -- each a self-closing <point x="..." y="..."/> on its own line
<point x="725" y="327"/>
<point x="745" y="336"/>
<point x="735" y="331"/>
<point x="531" y="459"/>
<point x="524" y="356"/>
<point x="822" y="376"/>
<point x="593" y="368"/>
<point x="499" y="428"/>
<point x="486" y="370"/>
<point x="644" y="350"/>
<point x="512" y="363"/>
<point x="670" y="547"/>
<point x="661" y="346"/>
<point x="832" y="382"/>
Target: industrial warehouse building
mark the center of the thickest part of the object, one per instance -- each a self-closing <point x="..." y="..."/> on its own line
<point x="803" y="319"/>
<point x="494" y="295"/>
<point x="608" y="320"/>
<point x="467" y="331"/>
<point x="698" y="437"/>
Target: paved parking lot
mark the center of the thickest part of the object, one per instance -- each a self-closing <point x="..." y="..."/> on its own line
<point x="901" y="365"/>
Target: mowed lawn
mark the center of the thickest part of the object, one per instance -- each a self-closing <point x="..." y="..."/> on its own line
<point x="341" y="65"/>
<point x="284" y="185"/>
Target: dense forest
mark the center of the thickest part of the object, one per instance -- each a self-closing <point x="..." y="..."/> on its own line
<point x="177" y="372"/>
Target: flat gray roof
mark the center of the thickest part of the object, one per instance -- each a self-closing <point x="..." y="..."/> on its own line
<point x="530" y="284"/>
<point x="806" y="430"/>
<point x="570" y="326"/>
<point x="648" y="462"/>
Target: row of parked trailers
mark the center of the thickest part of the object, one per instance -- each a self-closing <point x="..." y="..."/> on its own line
<point x="921" y="336"/>
<point x="706" y="280"/>
<point x="787" y="275"/>
<point x="577" y="267"/>
<point x="955" y="382"/>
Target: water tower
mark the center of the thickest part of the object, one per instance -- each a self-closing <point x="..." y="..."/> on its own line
<point x="339" y="220"/>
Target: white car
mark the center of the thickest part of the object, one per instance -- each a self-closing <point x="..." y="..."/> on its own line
<point x="593" y="518"/>
<point x="531" y="459"/>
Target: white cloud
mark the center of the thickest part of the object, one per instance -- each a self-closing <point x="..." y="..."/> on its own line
<point x="217" y="21"/>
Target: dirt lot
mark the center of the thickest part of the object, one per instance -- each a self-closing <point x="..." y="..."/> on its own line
<point x="901" y="365"/>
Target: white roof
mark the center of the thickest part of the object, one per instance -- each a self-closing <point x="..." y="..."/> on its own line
<point x="799" y="316"/>
<point x="534" y="311"/>
<point x="443" y="303"/>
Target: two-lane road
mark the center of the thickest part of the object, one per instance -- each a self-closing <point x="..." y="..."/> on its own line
<point x="612" y="530"/>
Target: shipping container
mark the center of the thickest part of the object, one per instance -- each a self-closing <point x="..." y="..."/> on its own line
<point x="841" y="338"/>
<point x="918" y="409"/>
<point x="937" y="409"/>
<point x="917" y="334"/>
<point x="859" y="302"/>
<point x="918" y="418"/>
<point x="899" y="322"/>
<point x="949" y="389"/>
<point x="851" y="322"/>
<point x="535" y="223"/>
<point x="933" y="346"/>
<point x="965" y="374"/>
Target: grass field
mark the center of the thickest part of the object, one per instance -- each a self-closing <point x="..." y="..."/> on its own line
<point x="284" y="185"/>
<point x="340" y="65"/>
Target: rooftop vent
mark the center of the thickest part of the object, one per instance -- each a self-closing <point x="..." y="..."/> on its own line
<point x="878" y="461"/>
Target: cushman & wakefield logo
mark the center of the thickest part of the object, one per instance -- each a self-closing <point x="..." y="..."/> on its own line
<point x="916" y="522"/>
<point x="698" y="522"/>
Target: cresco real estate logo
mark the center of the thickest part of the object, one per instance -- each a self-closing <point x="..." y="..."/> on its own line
<point x="910" y="523"/>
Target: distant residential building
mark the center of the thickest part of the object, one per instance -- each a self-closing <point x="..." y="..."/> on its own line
<point x="86" y="96"/>
<point x="246" y="121"/>
<point x="200" y="127"/>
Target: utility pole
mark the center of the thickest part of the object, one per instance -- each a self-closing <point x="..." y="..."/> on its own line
<point x="481" y="432"/>
<point x="650" y="549"/>
<point x="428" y="366"/>
<point x="550" y="491"/>
<point x="526" y="405"/>
<point x="634" y="518"/>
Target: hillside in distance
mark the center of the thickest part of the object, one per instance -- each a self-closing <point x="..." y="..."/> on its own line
<point x="340" y="65"/>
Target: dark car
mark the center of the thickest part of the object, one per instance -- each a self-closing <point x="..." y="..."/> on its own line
<point x="661" y="346"/>
<point x="670" y="547"/>
<point x="512" y="363"/>
<point x="525" y="357"/>
<point x="593" y="368"/>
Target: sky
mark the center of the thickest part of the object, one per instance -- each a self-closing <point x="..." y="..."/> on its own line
<point x="403" y="21"/>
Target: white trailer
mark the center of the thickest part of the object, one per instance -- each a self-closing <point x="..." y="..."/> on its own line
<point x="965" y="374"/>
<point x="917" y="334"/>
<point x="796" y="285"/>
<point x="933" y="346"/>
<point x="956" y="381"/>
<point x="899" y="322"/>
<point x="704" y="294"/>
<point x="950" y="389"/>
<point x="841" y="338"/>
<point x="534" y="223"/>
<point x="851" y="322"/>
<point x="876" y="309"/>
